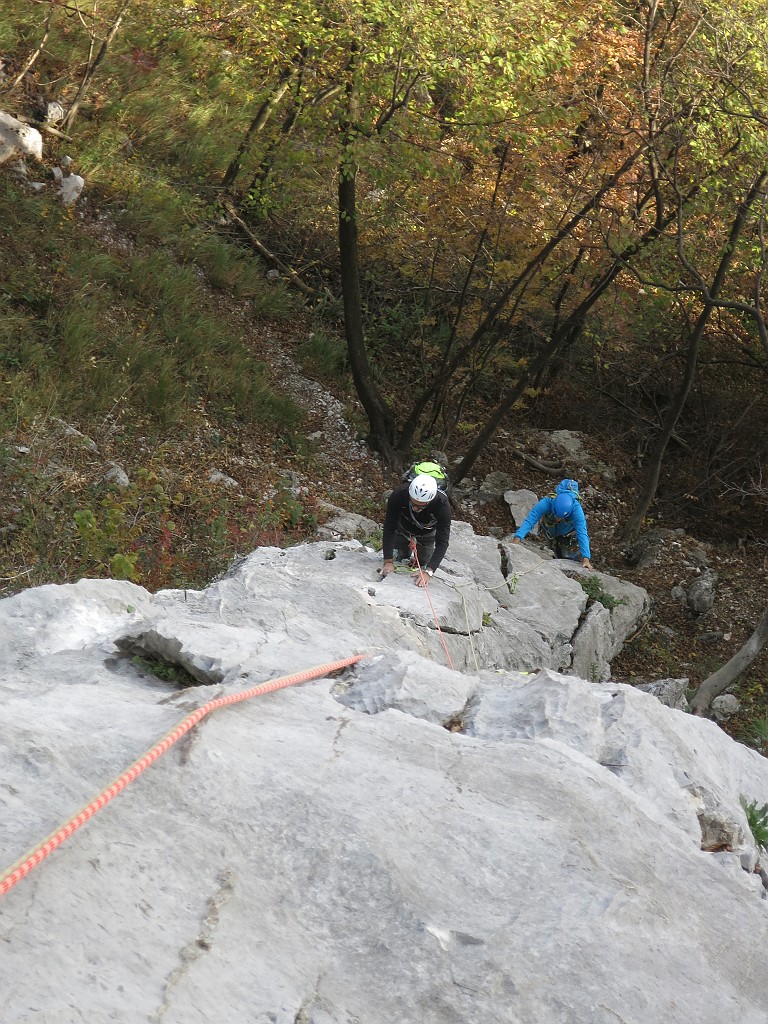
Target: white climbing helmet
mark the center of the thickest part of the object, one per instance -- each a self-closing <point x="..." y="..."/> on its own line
<point x="423" y="488"/>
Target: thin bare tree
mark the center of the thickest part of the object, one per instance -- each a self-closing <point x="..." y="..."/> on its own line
<point x="719" y="681"/>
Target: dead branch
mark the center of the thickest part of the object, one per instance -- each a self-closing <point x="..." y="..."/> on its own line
<point x="552" y="468"/>
<point x="263" y="251"/>
<point x="43" y="127"/>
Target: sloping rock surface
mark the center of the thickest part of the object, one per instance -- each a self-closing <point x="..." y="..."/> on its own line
<point x="401" y="843"/>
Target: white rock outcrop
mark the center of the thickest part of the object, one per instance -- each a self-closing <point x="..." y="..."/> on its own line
<point x="18" y="139"/>
<point x="401" y="843"/>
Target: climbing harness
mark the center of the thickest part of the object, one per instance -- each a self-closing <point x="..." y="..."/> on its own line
<point x="25" y="864"/>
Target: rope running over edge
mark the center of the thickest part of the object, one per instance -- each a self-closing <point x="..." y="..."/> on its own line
<point x="37" y="854"/>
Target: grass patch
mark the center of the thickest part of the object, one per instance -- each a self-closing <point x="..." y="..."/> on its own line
<point x="324" y="356"/>
<point x="165" y="670"/>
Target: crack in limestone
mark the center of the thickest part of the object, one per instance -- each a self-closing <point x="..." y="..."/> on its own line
<point x="450" y="630"/>
<point x="304" y="1013"/>
<point x="343" y="723"/>
<point x="200" y="945"/>
<point x="187" y="745"/>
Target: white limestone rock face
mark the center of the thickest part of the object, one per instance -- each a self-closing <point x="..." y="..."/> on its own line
<point x="49" y="619"/>
<point x="334" y="852"/>
<point x="547" y="600"/>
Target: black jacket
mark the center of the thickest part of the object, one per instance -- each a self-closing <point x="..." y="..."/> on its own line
<point x="434" y="520"/>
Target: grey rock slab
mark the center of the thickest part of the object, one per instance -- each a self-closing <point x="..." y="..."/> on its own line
<point x="593" y="643"/>
<point x="725" y="706"/>
<point x="572" y="444"/>
<point x="208" y="651"/>
<point x="493" y="487"/>
<point x="304" y="861"/>
<point x="222" y="479"/>
<point x="296" y="859"/>
<point x="479" y="558"/>
<point x="701" y="594"/>
<point x="671" y="692"/>
<point x="520" y="504"/>
<point x="117" y="477"/>
<point x="71" y="188"/>
<point x="649" y="546"/>
<point x="53" y="618"/>
<point x="348" y="526"/>
<point x="296" y="606"/>
<point x="544" y="598"/>
<point x="537" y="706"/>
<point x="509" y="642"/>
<point x="406" y="683"/>
<point x="681" y="765"/>
<point x="632" y="608"/>
<point x="602" y="631"/>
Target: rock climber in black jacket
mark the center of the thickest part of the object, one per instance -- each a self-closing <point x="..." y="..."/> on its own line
<point x="420" y="511"/>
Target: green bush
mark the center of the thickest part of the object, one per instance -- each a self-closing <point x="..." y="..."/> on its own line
<point x="757" y="819"/>
<point x="593" y="588"/>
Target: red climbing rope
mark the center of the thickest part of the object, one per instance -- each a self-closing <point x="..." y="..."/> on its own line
<point x="425" y="586"/>
<point x="29" y="861"/>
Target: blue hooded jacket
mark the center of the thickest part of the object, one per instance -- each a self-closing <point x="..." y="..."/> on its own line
<point x="574" y="522"/>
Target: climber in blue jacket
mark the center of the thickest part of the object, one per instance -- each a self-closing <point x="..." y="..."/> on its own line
<point x="563" y="523"/>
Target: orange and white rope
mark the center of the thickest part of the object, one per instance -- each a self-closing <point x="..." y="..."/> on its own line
<point x="25" y="864"/>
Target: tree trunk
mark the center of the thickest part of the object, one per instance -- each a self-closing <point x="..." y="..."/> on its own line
<point x="380" y="418"/>
<point x="93" y="67"/>
<point x="494" y="421"/>
<point x="719" y="681"/>
<point x="452" y="358"/>
<point x="634" y="523"/>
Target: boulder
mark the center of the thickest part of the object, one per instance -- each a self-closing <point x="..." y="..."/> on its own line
<point x="18" y="139"/>
<point x="671" y="692"/>
<point x="70" y="188"/>
<point x="649" y="547"/>
<point x="116" y="477"/>
<point x="217" y="477"/>
<point x="349" y="526"/>
<point x="520" y="504"/>
<point x="700" y="596"/>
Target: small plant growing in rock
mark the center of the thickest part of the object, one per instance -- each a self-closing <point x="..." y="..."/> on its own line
<point x="593" y="588"/>
<point x="375" y="540"/>
<point x="165" y="670"/>
<point x="757" y="819"/>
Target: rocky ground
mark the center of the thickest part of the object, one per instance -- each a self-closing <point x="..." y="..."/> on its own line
<point x="676" y="641"/>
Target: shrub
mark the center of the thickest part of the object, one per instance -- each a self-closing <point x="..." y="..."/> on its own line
<point x="757" y="819"/>
<point x="593" y="588"/>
